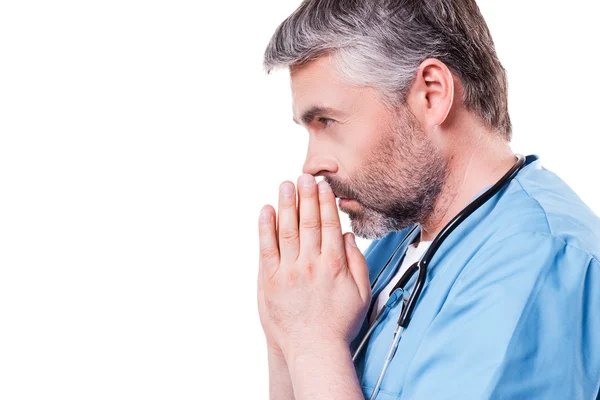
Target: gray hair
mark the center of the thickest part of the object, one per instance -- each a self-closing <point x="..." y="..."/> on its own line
<point x="381" y="43"/>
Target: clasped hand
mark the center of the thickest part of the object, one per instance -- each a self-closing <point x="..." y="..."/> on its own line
<point x="313" y="284"/>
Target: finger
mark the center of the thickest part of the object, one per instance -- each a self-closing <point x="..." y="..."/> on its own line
<point x="331" y="228"/>
<point x="358" y="267"/>
<point x="259" y="286"/>
<point x="287" y="225"/>
<point x="269" y="253"/>
<point x="310" y="220"/>
<point x="259" y="283"/>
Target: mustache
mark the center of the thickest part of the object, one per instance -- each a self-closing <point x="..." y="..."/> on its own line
<point x="341" y="190"/>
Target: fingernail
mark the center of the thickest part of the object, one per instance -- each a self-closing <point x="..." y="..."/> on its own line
<point x="306" y="180"/>
<point x="351" y="240"/>
<point x="287" y="188"/>
<point x="323" y="187"/>
<point x="264" y="216"/>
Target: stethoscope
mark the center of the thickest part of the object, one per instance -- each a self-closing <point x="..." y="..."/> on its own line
<point x="421" y="266"/>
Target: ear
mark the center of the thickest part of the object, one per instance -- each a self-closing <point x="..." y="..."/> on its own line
<point x="432" y="93"/>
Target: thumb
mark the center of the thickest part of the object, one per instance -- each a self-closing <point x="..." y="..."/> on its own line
<point x="357" y="266"/>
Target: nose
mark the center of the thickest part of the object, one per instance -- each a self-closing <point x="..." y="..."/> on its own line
<point x="319" y="162"/>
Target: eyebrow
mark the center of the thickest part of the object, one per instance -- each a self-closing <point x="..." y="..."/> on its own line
<point x="313" y="111"/>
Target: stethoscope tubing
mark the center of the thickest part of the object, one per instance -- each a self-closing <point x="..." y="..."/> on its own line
<point x="421" y="266"/>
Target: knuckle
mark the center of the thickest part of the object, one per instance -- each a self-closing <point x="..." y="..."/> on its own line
<point x="289" y="234"/>
<point x="335" y="262"/>
<point x="330" y="223"/>
<point x="310" y="223"/>
<point x="292" y="277"/>
<point x="267" y="253"/>
<point x="310" y="268"/>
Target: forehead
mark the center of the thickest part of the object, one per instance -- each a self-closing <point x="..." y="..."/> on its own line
<point x="313" y="74"/>
<point x="317" y="84"/>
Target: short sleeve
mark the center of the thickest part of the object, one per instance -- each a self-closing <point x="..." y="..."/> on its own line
<point x="522" y="321"/>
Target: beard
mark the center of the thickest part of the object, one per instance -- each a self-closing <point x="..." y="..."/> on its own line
<point x="399" y="182"/>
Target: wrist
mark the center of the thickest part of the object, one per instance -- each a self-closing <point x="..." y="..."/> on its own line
<point x="324" y="371"/>
<point x="280" y="384"/>
<point x="318" y="350"/>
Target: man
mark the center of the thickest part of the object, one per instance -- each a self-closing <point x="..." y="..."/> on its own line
<point x="405" y="103"/>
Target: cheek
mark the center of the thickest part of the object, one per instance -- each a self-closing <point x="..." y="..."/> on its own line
<point x="379" y="170"/>
<point x="379" y="154"/>
<point x="356" y="148"/>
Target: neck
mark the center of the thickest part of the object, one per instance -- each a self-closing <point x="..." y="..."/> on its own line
<point x="471" y="168"/>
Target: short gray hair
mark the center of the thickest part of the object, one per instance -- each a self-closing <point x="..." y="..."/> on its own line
<point x="381" y="43"/>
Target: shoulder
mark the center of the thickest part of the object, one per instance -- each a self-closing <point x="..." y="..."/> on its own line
<point x="538" y="203"/>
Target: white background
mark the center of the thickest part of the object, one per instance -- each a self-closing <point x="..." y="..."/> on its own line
<point x="139" y="141"/>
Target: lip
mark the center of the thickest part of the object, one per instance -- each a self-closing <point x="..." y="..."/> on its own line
<point x="342" y="201"/>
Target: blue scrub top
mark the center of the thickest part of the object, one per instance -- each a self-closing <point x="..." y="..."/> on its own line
<point x="511" y="304"/>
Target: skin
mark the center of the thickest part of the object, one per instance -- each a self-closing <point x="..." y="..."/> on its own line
<point x="419" y="162"/>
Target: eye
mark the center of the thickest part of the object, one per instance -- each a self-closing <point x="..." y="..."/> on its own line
<point x="325" y="121"/>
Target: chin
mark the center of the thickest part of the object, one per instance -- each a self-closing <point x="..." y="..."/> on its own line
<point x="367" y="229"/>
